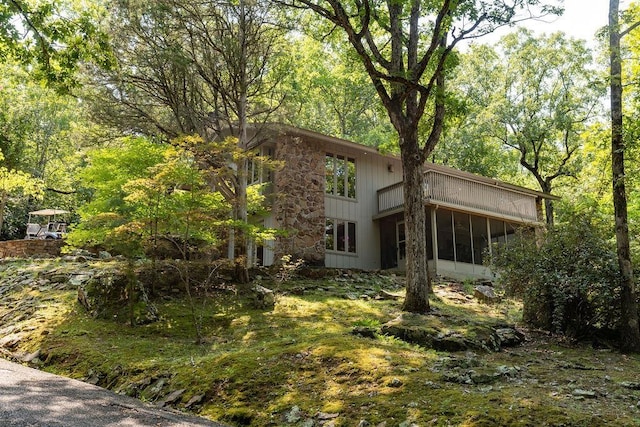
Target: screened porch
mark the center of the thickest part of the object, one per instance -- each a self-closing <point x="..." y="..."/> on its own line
<point x="465" y="215"/>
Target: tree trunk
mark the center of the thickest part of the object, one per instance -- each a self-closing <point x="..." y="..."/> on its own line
<point x="629" y="330"/>
<point x="418" y="284"/>
<point x="3" y="204"/>
<point x="548" y="204"/>
<point x="242" y="267"/>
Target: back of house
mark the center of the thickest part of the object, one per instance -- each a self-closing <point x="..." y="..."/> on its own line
<point x="342" y="206"/>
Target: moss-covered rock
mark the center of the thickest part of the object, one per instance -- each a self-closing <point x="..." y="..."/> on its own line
<point x="430" y="332"/>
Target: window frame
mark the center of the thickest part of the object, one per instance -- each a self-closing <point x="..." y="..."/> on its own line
<point x="341" y="239"/>
<point x="340" y="176"/>
<point x="257" y="173"/>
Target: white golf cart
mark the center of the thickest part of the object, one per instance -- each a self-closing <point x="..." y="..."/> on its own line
<point x="46" y="224"/>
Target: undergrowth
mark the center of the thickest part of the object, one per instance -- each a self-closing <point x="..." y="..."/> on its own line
<point x="253" y="367"/>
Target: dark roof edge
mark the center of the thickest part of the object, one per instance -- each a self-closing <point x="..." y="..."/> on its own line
<point x="296" y="131"/>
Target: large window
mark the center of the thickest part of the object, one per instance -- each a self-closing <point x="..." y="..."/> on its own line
<point x="340" y="236"/>
<point x="463" y="237"/>
<point x="340" y="176"/>
<point x="258" y="172"/>
<point x="464" y="248"/>
<point x="446" y="242"/>
<point x="501" y="231"/>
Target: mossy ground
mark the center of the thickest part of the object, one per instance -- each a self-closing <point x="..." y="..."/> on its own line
<point x="256" y="365"/>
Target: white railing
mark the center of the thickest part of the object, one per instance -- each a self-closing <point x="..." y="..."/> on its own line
<point x="465" y="193"/>
<point x="391" y="197"/>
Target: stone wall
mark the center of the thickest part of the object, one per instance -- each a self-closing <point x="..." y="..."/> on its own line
<point x="29" y="248"/>
<point x="299" y="204"/>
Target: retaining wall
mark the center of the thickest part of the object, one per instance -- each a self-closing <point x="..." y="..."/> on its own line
<point x="30" y="248"/>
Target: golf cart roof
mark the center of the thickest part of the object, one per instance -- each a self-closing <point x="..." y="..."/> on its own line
<point x="46" y="212"/>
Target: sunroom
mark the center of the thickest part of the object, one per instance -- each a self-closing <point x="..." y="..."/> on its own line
<point x="466" y="213"/>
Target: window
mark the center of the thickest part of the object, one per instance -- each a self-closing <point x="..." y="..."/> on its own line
<point x="464" y="248"/>
<point x="402" y="241"/>
<point x="480" y="238"/>
<point x="340" y="236"/>
<point x="340" y="176"/>
<point x="446" y="242"/>
<point x="497" y="231"/>
<point x="258" y="172"/>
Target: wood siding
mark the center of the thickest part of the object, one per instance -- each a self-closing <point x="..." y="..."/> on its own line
<point x="372" y="172"/>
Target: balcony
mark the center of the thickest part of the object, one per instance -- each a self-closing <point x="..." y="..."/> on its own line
<point x="458" y="192"/>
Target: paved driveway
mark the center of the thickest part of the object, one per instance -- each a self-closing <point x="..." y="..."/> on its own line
<point x="31" y="398"/>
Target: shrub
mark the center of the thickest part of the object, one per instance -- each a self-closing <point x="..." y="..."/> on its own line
<point x="569" y="284"/>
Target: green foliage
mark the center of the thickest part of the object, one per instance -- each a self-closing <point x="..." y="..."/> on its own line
<point x="109" y="168"/>
<point x="525" y="104"/>
<point x="146" y="196"/>
<point x="106" y="172"/>
<point x="174" y="200"/>
<point x="219" y="162"/>
<point x="183" y="67"/>
<point x="570" y="284"/>
<point x="631" y="124"/>
<point x="53" y="37"/>
<point x="43" y="134"/>
<point x="330" y="92"/>
<point x="142" y="192"/>
<point x="14" y="183"/>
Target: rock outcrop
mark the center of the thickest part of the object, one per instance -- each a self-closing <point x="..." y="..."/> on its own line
<point x="428" y="331"/>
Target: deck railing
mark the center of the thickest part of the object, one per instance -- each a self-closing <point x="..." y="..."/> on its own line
<point x="453" y="191"/>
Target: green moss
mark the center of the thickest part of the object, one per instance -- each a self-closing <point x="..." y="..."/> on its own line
<point x="254" y="365"/>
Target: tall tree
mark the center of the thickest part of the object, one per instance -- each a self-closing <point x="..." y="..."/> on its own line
<point x="405" y="47"/>
<point x="194" y="68"/>
<point x="467" y="143"/>
<point x="41" y="132"/>
<point x="629" y="324"/>
<point x="631" y="127"/>
<point x="328" y="91"/>
<point x="535" y="97"/>
<point x="52" y="36"/>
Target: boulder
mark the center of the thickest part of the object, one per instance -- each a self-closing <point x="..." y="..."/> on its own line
<point x="323" y="416"/>
<point x="631" y="385"/>
<point x="384" y="295"/>
<point x="427" y="331"/>
<point x="485" y="294"/>
<point x="263" y="298"/>
<point x="195" y="400"/>
<point x="509" y="337"/>
<point x="365" y="331"/>
<point x="411" y="327"/>
<point x="170" y="398"/>
<point x="589" y="394"/>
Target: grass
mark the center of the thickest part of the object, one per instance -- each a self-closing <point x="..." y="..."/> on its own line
<point x="255" y="366"/>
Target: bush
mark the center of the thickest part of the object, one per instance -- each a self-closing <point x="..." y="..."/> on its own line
<point x="570" y="284"/>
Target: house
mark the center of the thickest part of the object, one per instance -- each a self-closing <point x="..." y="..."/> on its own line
<point x="342" y="204"/>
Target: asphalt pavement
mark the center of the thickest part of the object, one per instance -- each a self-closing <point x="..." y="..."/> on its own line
<point x="32" y="398"/>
